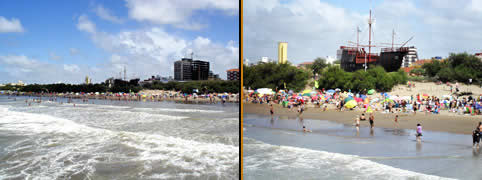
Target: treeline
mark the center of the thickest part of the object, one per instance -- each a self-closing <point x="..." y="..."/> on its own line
<point x="374" y="78"/>
<point x="457" y="67"/>
<point x="274" y="76"/>
<point x="58" y="88"/>
<point x="131" y="86"/>
<point x="202" y="86"/>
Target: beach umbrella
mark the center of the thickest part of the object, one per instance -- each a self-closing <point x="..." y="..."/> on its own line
<point x="250" y="91"/>
<point x="358" y="99"/>
<point x="337" y="89"/>
<point x="350" y="104"/>
<point x="306" y="94"/>
<point x="348" y="99"/>
<point x="368" y="109"/>
<point x="306" y="91"/>
<point x="425" y="96"/>
<point x="371" y="91"/>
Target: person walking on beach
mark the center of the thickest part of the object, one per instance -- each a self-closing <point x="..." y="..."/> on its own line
<point x="396" y="121"/>
<point x="357" y="123"/>
<point x="476" y="135"/>
<point x="419" y="133"/>
<point x="371" y="118"/>
<point x="271" y="109"/>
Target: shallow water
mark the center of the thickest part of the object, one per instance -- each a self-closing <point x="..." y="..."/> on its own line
<point x="277" y="149"/>
<point x="118" y="140"/>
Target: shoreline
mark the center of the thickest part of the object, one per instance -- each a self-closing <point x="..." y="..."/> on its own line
<point x="190" y="100"/>
<point x="451" y="123"/>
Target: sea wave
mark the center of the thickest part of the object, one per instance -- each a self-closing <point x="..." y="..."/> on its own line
<point x="58" y="148"/>
<point x="264" y="157"/>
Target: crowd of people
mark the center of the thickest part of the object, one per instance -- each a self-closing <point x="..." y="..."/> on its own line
<point x="370" y="103"/>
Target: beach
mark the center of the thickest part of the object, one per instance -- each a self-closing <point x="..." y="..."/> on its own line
<point x="277" y="148"/>
<point x="103" y="139"/>
<point x="444" y="122"/>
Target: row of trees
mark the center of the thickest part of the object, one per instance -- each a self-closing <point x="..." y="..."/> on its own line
<point x="457" y="67"/>
<point x="275" y="76"/>
<point x="125" y="86"/>
<point x="374" y="78"/>
<point x="201" y="86"/>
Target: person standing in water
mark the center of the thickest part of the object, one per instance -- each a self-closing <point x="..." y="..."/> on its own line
<point x="476" y="135"/>
<point x="371" y="118"/>
<point x="396" y="121"/>
<point x="271" y="109"/>
<point x="357" y="123"/>
<point x="419" y="133"/>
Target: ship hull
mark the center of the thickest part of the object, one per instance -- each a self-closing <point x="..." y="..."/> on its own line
<point x="390" y="61"/>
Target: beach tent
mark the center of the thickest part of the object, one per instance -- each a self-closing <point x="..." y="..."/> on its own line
<point x="265" y="91"/>
<point x="350" y="104"/>
<point x="371" y="91"/>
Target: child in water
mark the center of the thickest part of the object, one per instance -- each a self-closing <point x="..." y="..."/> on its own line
<point x="305" y="129"/>
<point x="419" y="133"/>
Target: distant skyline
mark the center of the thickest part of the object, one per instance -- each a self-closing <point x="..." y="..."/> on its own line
<point x="315" y="28"/>
<point x="52" y="41"/>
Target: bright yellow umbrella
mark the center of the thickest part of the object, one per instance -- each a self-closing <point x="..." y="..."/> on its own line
<point x="350" y="104"/>
<point x="306" y="91"/>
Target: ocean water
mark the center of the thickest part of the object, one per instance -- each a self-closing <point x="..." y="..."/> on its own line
<point x="118" y="140"/>
<point x="277" y="149"/>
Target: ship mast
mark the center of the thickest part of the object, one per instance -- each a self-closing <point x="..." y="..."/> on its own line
<point x="357" y="31"/>
<point x="369" y="36"/>
<point x="393" y="36"/>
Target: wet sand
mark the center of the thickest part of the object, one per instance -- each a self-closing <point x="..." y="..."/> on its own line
<point x="444" y="122"/>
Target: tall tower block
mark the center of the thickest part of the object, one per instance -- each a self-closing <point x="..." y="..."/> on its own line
<point x="282" y="52"/>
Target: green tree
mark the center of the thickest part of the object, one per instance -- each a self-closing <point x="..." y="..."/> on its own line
<point x="318" y="65"/>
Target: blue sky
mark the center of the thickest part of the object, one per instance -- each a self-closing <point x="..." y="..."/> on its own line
<point x="52" y="41"/>
<point x="317" y="28"/>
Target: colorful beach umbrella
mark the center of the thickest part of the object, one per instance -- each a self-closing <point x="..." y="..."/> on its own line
<point x="350" y="104"/>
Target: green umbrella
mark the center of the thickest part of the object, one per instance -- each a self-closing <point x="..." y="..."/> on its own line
<point x="371" y="91"/>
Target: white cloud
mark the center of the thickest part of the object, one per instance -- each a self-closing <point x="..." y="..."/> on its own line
<point x="177" y="12"/>
<point x="71" y="68"/>
<point x="12" y="25"/>
<point x="30" y="70"/>
<point x="84" y="24"/>
<point x="55" y="57"/>
<point x="73" y="51"/>
<point x="106" y="14"/>
<point x="317" y="29"/>
<point x="153" y="51"/>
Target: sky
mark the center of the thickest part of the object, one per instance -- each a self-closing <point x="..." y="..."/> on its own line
<point x="65" y="41"/>
<point x="315" y="28"/>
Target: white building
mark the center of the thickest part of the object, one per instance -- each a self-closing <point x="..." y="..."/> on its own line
<point x="264" y="60"/>
<point x="411" y="57"/>
<point x="246" y="62"/>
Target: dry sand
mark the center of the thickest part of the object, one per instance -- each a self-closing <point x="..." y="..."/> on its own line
<point x="447" y="122"/>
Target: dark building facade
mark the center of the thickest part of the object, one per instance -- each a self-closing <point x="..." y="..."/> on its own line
<point x="200" y="70"/>
<point x="233" y="74"/>
<point x="186" y="70"/>
<point x="183" y="70"/>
